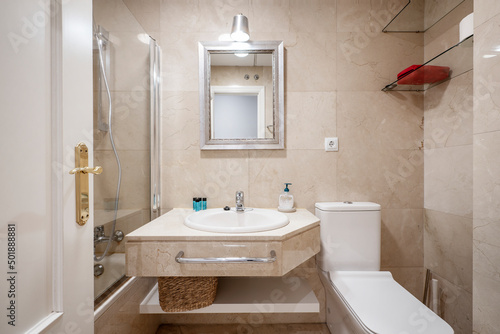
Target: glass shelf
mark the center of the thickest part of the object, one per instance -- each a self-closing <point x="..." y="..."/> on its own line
<point x="420" y="15"/>
<point x="458" y="58"/>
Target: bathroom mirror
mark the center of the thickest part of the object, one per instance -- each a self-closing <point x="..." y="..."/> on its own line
<point x="241" y="95"/>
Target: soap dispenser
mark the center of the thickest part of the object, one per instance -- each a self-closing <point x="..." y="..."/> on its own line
<point x="286" y="200"/>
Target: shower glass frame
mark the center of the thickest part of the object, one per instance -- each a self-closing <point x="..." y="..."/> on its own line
<point x="155" y="108"/>
<point x="111" y="261"/>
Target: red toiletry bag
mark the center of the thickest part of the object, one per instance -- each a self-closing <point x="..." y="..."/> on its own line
<point x="419" y="75"/>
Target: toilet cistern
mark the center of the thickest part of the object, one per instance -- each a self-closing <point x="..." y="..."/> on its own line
<point x="240" y="201"/>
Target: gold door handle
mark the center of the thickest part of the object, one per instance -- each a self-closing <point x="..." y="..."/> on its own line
<point x="82" y="172"/>
<point x="86" y="170"/>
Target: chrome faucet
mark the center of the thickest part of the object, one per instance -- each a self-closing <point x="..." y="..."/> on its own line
<point x="99" y="235"/>
<point x="240" y="201"/>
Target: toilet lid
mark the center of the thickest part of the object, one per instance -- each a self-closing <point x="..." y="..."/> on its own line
<point x="347" y="206"/>
<point x="383" y="306"/>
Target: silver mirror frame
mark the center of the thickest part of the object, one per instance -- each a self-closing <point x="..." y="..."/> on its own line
<point x="274" y="47"/>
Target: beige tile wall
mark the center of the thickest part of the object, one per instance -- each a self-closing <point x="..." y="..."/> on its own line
<point x="448" y="111"/>
<point x="486" y="244"/>
<point x="335" y="59"/>
<point x="445" y="33"/>
<point x="336" y="62"/>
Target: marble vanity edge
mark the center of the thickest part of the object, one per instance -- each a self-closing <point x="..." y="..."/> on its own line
<point x="153" y="232"/>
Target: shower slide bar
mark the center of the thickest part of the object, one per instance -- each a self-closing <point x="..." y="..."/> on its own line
<point x="180" y="259"/>
<point x="103" y="36"/>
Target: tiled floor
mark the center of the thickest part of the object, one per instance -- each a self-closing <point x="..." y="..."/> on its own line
<point x="244" y="329"/>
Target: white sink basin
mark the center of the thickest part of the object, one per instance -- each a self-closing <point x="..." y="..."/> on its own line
<point x="253" y="220"/>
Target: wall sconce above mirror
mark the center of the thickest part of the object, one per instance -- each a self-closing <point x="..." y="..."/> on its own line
<point x="241" y="95"/>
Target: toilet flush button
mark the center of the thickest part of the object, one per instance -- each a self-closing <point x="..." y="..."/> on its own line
<point x="331" y="144"/>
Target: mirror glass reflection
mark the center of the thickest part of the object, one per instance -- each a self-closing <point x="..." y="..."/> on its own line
<point x="241" y="95"/>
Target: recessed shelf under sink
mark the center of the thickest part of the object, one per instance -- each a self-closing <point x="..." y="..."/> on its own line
<point x="232" y="221"/>
<point x="251" y="295"/>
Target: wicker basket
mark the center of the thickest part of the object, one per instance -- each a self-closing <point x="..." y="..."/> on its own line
<point x="178" y="294"/>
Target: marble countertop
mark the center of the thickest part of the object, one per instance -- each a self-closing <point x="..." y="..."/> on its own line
<point x="170" y="227"/>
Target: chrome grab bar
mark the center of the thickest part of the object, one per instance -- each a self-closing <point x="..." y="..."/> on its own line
<point x="180" y="259"/>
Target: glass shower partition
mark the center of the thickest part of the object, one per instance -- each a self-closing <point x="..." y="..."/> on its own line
<point x="126" y="139"/>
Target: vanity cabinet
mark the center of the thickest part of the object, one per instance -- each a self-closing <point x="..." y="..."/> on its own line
<point x="152" y="249"/>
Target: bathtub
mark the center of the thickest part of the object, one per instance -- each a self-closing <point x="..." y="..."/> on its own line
<point x="114" y="270"/>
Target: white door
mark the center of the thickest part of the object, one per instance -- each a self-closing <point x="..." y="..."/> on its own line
<point x="46" y="281"/>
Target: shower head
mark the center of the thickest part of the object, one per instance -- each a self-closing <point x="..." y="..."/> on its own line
<point x="101" y="34"/>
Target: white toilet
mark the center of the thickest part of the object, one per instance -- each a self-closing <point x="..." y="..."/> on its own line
<point x="360" y="298"/>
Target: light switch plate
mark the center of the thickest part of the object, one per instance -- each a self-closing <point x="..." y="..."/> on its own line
<point x="331" y="144"/>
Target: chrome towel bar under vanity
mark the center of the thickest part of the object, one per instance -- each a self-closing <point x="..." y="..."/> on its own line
<point x="180" y="259"/>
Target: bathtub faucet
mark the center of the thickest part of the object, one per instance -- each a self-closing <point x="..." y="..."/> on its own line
<point x="99" y="235"/>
